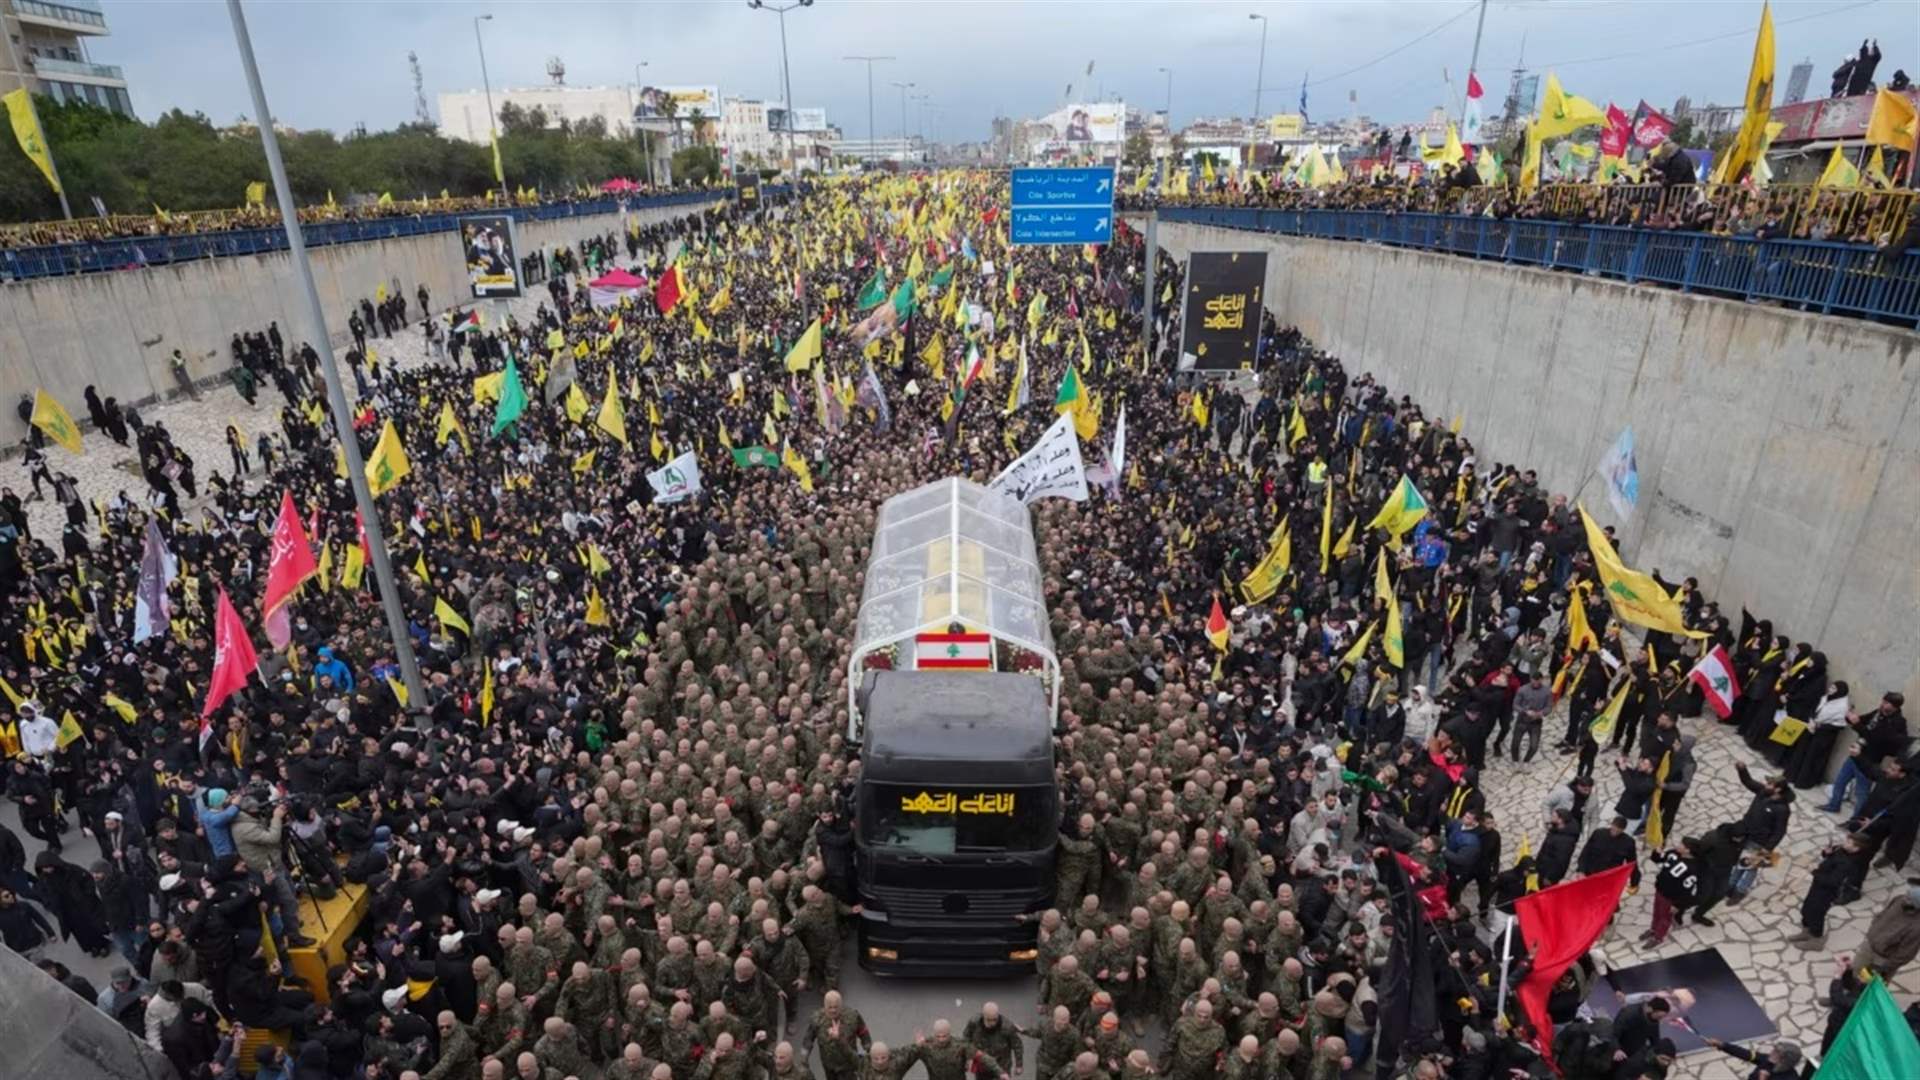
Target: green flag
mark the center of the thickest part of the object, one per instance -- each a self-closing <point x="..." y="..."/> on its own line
<point x="1875" y="1041"/>
<point x="874" y="294"/>
<point x="903" y="301"/>
<point x="943" y="275"/>
<point x="513" y="398"/>
<point x="751" y="457"/>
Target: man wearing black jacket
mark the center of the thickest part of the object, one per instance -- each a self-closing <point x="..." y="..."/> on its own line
<point x="1608" y="848"/>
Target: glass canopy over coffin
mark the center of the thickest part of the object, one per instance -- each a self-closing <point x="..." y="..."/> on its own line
<point x="953" y="552"/>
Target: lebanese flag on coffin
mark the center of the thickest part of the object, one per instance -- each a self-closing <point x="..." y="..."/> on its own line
<point x="951" y="651"/>
<point x="1714" y="675"/>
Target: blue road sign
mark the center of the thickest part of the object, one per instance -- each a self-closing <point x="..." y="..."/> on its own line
<point x="1063" y="225"/>
<point x="1062" y="206"/>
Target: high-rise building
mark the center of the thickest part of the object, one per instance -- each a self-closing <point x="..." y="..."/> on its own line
<point x="1797" y="81"/>
<point x="49" y="53"/>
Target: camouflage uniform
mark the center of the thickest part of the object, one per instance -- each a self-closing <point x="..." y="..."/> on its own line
<point x="534" y="972"/>
<point x="956" y="1060"/>
<point x="680" y="1048"/>
<point x="842" y="1053"/>
<point x="565" y="1054"/>
<point x="502" y="1032"/>
<point x="1193" y="1048"/>
<point x="1058" y="1048"/>
<point x="1001" y="1041"/>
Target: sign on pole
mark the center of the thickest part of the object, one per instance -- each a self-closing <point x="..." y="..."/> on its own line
<point x="493" y="259"/>
<point x="1220" y="321"/>
<point x="1062" y="206"/>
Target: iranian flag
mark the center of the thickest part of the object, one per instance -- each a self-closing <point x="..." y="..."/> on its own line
<point x="1714" y="675"/>
<point x="953" y="651"/>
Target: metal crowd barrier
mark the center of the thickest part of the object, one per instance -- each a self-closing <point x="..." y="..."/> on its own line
<point x="1811" y="275"/>
<point x="99" y="256"/>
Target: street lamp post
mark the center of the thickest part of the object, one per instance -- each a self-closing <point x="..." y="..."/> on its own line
<point x="1168" y="72"/>
<point x="646" y="138"/>
<point x="869" y="61"/>
<point x="336" y="392"/>
<point x="903" y="87"/>
<point x="1260" y="77"/>
<point x="786" y="75"/>
<point x="493" y="135"/>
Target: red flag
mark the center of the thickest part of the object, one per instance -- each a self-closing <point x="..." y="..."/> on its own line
<point x="1613" y="137"/>
<point x="1217" y="630"/>
<point x="667" y="293"/>
<point x="1559" y="924"/>
<point x="292" y="563"/>
<point x="1473" y="86"/>
<point x="1650" y="126"/>
<point x="233" y="658"/>
<point x="360" y="529"/>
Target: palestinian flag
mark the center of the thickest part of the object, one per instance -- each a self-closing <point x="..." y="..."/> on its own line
<point x="755" y="457"/>
<point x="466" y="322"/>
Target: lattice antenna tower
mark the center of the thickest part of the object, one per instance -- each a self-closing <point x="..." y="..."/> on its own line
<point x="420" y="112"/>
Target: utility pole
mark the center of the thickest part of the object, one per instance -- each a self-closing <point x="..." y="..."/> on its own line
<point x="1260" y="79"/>
<point x="903" y="87"/>
<point x="786" y="75"/>
<point x="493" y="134"/>
<point x="869" y="61"/>
<point x="336" y="392"/>
<point x="1473" y="62"/>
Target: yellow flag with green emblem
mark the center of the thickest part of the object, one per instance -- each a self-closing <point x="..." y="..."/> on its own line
<point x="52" y="418"/>
<point x="388" y="464"/>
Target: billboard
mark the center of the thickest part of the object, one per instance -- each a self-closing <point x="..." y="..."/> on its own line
<point x="1098" y="122"/>
<point x="686" y="100"/>
<point x="1286" y="125"/>
<point x="493" y="261"/>
<point x="1220" y="323"/>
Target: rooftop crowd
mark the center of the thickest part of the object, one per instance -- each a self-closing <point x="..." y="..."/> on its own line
<point x="606" y="843"/>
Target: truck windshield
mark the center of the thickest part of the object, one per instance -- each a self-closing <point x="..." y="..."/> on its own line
<point x="944" y="820"/>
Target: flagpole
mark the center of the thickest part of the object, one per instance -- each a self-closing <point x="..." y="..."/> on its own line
<point x="1473" y="63"/>
<point x="1506" y="957"/>
<point x="336" y="393"/>
<point x="46" y="147"/>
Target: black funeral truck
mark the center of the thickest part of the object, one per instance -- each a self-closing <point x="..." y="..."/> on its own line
<point x="957" y="821"/>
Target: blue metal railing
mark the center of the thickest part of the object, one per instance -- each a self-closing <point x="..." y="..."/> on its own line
<point x="97" y="256"/>
<point x="1836" y="279"/>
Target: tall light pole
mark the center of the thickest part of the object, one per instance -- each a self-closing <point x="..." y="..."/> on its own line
<point x="869" y="61"/>
<point x="1168" y="72"/>
<point x="493" y="134"/>
<point x="646" y="139"/>
<point x="336" y="393"/>
<point x="786" y="74"/>
<point x="920" y="102"/>
<point x="903" y="87"/>
<point x="1260" y="77"/>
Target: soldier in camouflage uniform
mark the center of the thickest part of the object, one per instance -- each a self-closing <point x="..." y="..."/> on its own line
<point x="1053" y="942"/>
<point x="533" y="970"/>
<point x="817" y="925"/>
<point x="786" y="1064"/>
<point x="841" y="1035"/>
<point x="1070" y="986"/>
<point x="1111" y="1043"/>
<point x="680" y="1046"/>
<point x="1189" y="972"/>
<point x="459" y="1053"/>
<point x="502" y="1024"/>
<point x="948" y="1058"/>
<point x="642" y="1019"/>
<point x="1193" y="1045"/>
<point x="783" y="960"/>
<point x="726" y="1061"/>
<point x="673" y="976"/>
<point x="883" y="1063"/>
<point x="561" y="1049"/>
<point x="1060" y="1041"/>
<point x="1077" y="866"/>
<point x="1084" y="1066"/>
<point x="753" y="998"/>
<point x="587" y="1002"/>
<point x="997" y="1038"/>
<point x="528" y="1067"/>
<point x="632" y="1064"/>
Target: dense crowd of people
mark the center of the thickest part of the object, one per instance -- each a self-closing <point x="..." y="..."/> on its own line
<point x="606" y="842"/>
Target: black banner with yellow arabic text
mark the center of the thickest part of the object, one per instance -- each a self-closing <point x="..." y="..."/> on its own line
<point x="1220" y="327"/>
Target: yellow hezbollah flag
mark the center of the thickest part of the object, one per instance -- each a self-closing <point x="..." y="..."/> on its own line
<point x="1893" y="121"/>
<point x="52" y="418"/>
<point x="576" y="403"/>
<point x="1636" y="597"/>
<point x="1359" y="651"/>
<point x="1562" y="113"/>
<point x="33" y="142"/>
<point x="799" y="467"/>
<point x="1601" y="727"/>
<point x="597" y="609"/>
<point x="806" y="350"/>
<point x="353" y="567"/>
<point x="613" y="416"/>
<point x="257" y="193"/>
<point x="1749" y="145"/>
<point x="1265" y="579"/>
<point x="449" y="617"/>
<point x="1403" y="509"/>
<point x="70" y="732"/>
<point x="387" y="465"/>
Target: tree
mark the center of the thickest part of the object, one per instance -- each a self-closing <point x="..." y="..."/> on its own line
<point x="696" y="164"/>
<point x="1139" y="150"/>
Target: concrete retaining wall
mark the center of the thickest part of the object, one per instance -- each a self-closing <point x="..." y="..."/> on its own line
<point x="116" y="331"/>
<point x="1779" y="452"/>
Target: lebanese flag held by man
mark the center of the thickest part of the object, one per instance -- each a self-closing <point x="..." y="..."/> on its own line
<point x="1559" y="924"/>
<point x="668" y="292"/>
<point x="233" y="659"/>
<point x="1714" y="675"/>
<point x="292" y="564"/>
<point x="1471" y="123"/>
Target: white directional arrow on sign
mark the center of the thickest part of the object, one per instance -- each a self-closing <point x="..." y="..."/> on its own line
<point x="1105" y="183"/>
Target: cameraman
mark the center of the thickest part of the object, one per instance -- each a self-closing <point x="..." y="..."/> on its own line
<point x="259" y="834"/>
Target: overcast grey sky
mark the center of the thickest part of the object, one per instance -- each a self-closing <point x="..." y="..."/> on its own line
<point x="337" y="63"/>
